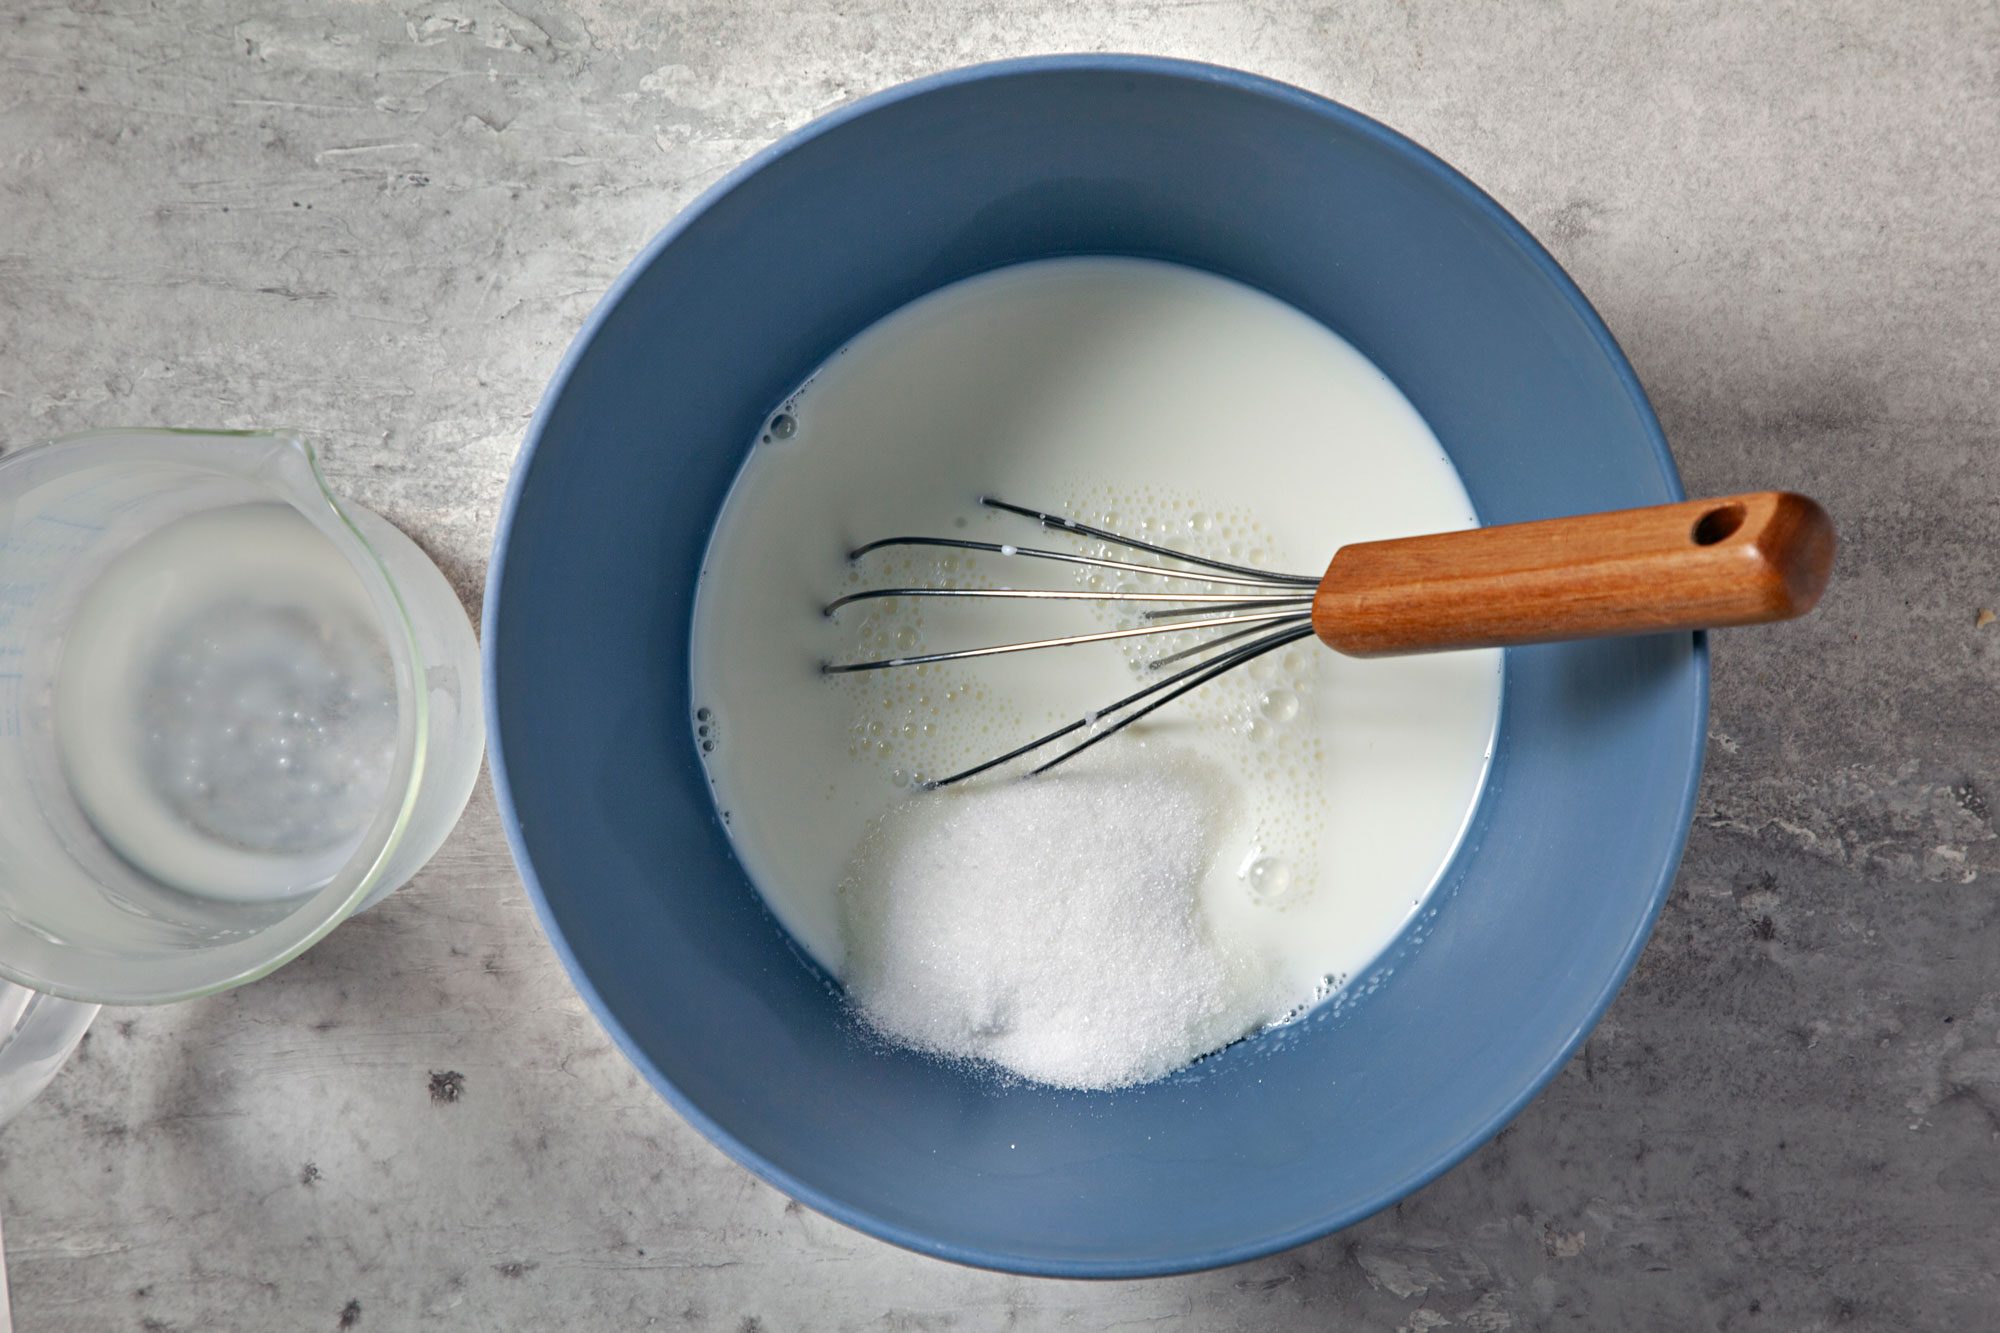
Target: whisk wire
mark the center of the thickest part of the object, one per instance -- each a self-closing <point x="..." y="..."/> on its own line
<point x="1248" y="578"/>
<point x="1210" y="600"/>
<point x="1214" y="667"/>
<point x="1202" y="675"/>
<point x="1204" y="646"/>
<point x="1061" y="524"/>
<point x="1299" y="600"/>
<point x="1064" y="641"/>
<point x="1274" y="614"/>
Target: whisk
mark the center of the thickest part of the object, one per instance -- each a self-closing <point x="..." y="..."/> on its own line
<point x="1701" y="564"/>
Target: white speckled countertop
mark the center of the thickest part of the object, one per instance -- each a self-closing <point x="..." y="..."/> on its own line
<point x="382" y="222"/>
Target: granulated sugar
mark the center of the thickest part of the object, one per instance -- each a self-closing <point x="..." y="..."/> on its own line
<point x="1051" y="926"/>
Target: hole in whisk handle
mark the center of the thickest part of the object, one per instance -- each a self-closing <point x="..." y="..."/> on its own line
<point x="1718" y="524"/>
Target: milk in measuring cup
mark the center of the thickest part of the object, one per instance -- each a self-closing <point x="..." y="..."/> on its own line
<point x="225" y="709"/>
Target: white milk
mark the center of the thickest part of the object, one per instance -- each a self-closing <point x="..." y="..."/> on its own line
<point x="1152" y="400"/>
<point x="225" y="710"/>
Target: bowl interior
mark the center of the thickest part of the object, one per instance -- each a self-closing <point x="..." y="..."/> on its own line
<point x="1277" y="1139"/>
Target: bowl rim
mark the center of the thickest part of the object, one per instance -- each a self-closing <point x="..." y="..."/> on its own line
<point x="1165" y="1263"/>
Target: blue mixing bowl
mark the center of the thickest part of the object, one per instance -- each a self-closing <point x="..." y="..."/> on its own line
<point x="1279" y="1139"/>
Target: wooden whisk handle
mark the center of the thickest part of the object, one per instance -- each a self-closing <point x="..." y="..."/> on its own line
<point x="1702" y="564"/>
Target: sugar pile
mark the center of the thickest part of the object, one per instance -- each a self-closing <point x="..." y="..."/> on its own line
<point x="1051" y="926"/>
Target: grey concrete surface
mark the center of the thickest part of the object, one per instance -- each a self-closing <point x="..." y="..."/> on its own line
<point x="382" y="223"/>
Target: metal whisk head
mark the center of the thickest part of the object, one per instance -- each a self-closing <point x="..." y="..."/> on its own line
<point x="1259" y="613"/>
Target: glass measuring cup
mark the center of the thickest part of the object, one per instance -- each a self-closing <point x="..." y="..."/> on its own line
<point x="233" y="711"/>
<point x="37" y="1034"/>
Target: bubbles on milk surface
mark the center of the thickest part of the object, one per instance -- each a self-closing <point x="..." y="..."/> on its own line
<point x="922" y="721"/>
<point x="1257" y="720"/>
<point x="1270" y="878"/>
<point x="909" y="723"/>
